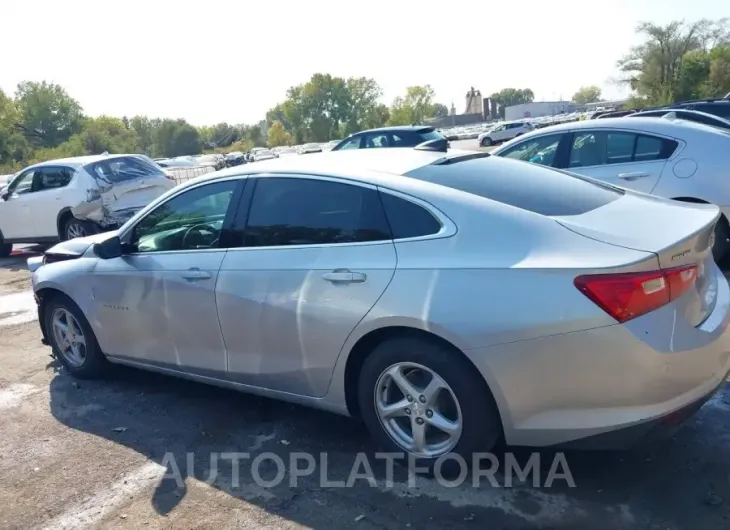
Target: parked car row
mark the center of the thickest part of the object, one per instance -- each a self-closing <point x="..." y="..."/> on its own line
<point x="448" y="298"/>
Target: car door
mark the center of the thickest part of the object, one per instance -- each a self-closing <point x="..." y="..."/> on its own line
<point x="622" y="158"/>
<point x="315" y="256"/>
<point x="498" y="133"/>
<point x="16" y="219"/>
<point x="541" y="150"/>
<point x="156" y="304"/>
<point x="46" y="200"/>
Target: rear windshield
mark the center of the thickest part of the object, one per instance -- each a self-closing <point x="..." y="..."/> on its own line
<point x="123" y="168"/>
<point x="430" y="135"/>
<point x="527" y="186"/>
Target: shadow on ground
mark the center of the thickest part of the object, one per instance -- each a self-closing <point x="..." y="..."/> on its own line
<point x="679" y="484"/>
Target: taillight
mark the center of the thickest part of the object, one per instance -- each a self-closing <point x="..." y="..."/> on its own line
<point x="628" y="295"/>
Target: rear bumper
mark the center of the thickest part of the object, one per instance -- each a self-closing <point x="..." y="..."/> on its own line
<point x="609" y="387"/>
<point x="645" y="433"/>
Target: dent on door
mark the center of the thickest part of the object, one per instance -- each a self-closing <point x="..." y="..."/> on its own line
<point x="286" y="313"/>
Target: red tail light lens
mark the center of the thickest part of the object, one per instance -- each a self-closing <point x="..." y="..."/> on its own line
<point x="626" y="296"/>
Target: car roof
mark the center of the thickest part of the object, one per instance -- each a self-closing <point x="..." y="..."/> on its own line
<point x="395" y="128"/>
<point x="650" y="125"/>
<point x="78" y="161"/>
<point x="373" y="166"/>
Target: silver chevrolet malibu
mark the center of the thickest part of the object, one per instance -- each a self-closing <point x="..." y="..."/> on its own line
<point x="447" y="298"/>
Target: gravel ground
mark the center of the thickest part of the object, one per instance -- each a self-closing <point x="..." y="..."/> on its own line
<point x="91" y="454"/>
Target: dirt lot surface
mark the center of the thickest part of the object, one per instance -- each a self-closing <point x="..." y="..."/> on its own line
<point x="93" y="454"/>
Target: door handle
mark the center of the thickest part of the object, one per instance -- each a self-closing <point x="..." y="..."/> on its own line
<point x="632" y="176"/>
<point x="344" y="276"/>
<point x="194" y="274"/>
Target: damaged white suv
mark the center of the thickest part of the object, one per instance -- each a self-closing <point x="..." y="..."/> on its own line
<point x="74" y="197"/>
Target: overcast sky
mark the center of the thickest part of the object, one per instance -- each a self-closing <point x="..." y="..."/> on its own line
<point x="227" y="60"/>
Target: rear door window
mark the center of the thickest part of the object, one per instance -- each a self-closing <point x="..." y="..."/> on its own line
<point x="302" y="211"/>
<point x="527" y="186"/>
<point x="376" y="140"/>
<point x="597" y="148"/>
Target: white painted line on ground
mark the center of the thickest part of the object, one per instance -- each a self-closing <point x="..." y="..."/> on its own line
<point x="92" y="510"/>
<point x="13" y="395"/>
<point x="17" y="308"/>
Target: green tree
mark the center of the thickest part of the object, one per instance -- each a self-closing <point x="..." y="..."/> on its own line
<point x="143" y="127"/>
<point x="48" y="115"/>
<point x="278" y="135"/>
<point x="718" y="82"/>
<point x="512" y="96"/>
<point x="587" y="94"/>
<point x="253" y="134"/>
<point x="674" y="61"/>
<point x="108" y="134"/>
<point x="328" y="107"/>
<point x="440" y="110"/>
<point x="14" y="147"/>
<point x="363" y="110"/>
<point x="220" y="135"/>
<point x="414" y="108"/>
<point x="175" y="138"/>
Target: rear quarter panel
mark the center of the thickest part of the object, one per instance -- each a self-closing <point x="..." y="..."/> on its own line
<point x="701" y="170"/>
<point x="500" y="279"/>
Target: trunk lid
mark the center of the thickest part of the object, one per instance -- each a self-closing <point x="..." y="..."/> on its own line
<point x="677" y="233"/>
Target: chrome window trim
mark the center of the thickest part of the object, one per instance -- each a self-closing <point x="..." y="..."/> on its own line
<point x="448" y="228"/>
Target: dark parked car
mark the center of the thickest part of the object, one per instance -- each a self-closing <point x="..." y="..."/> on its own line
<point x="718" y="107"/>
<point x="402" y="136"/>
<point x="235" y="158"/>
<point x="689" y="115"/>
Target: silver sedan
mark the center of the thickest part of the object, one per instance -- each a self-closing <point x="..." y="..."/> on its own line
<point x="446" y="298"/>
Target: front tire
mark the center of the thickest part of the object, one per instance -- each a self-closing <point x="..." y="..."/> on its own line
<point x="486" y="142"/>
<point x="419" y="397"/>
<point x="72" y="339"/>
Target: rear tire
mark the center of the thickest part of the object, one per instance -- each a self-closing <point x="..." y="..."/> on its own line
<point x="486" y="142"/>
<point x="721" y="247"/>
<point x="76" y="348"/>
<point x="474" y="425"/>
<point x="75" y="228"/>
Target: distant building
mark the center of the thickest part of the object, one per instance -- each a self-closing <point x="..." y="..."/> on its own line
<point x="474" y="103"/>
<point x="537" y="109"/>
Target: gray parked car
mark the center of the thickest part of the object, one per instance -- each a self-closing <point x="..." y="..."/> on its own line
<point x="447" y="298"/>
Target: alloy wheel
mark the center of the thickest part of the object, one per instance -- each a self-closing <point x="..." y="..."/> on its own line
<point x="74" y="230"/>
<point x="69" y="337"/>
<point x="418" y="410"/>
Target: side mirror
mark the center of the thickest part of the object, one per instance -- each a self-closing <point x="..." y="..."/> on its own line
<point x="4" y="194"/>
<point x="109" y="249"/>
